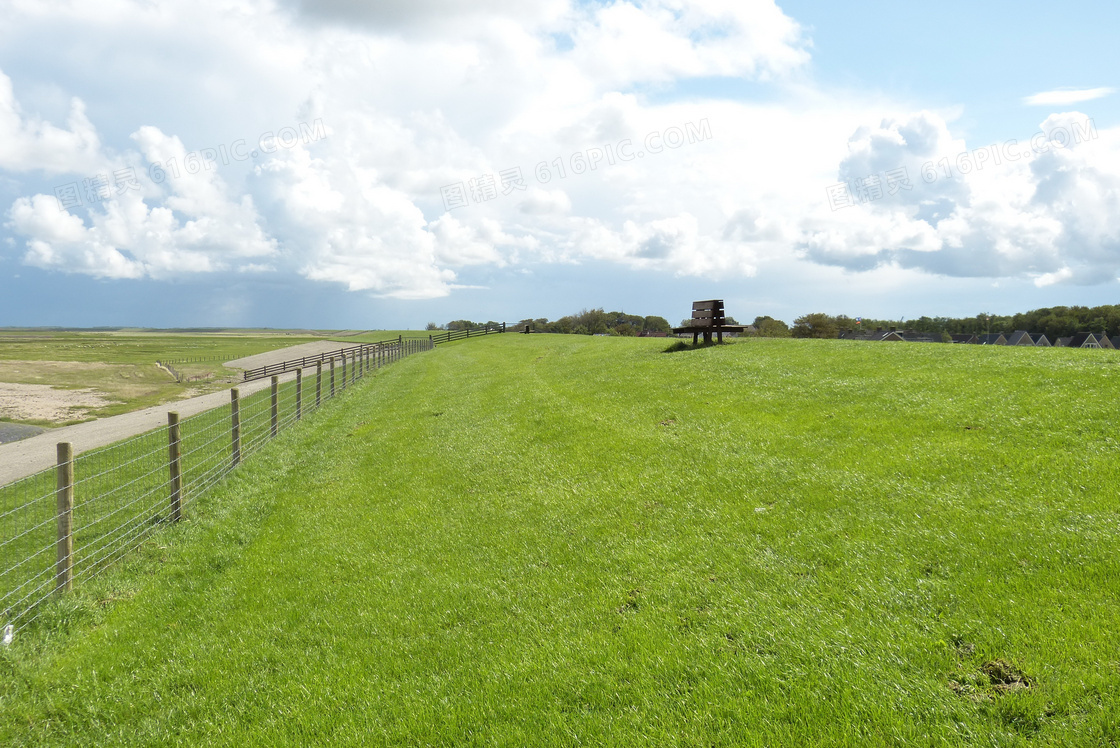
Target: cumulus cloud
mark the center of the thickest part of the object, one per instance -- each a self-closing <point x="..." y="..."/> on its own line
<point x="622" y="43"/>
<point x="29" y="143"/>
<point x="1042" y="209"/>
<point x="423" y="95"/>
<point x="196" y="227"/>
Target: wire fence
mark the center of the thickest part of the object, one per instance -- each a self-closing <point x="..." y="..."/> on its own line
<point x="64" y="525"/>
<point x="450" y="335"/>
<point x="362" y="350"/>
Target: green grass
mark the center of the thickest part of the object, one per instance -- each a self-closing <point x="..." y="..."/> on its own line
<point x="546" y="540"/>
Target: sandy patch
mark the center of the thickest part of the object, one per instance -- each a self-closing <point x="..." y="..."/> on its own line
<point x="41" y="402"/>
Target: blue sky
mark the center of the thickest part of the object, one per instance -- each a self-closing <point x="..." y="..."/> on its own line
<point x="340" y="164"/>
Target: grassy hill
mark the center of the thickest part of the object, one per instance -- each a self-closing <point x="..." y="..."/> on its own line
<point x="559" y="540"/>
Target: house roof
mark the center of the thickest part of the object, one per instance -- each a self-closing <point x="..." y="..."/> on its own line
<point x="964" y="337"/>
<point x="1063" y="342"/>
<point x="914" y="336"/>
<point x="995" y="338"/>
<point x="1084" y="340"/>
<point x="861" y="335"/>
<point x="1020" y="337"/>
<point x="1040" y="339"/>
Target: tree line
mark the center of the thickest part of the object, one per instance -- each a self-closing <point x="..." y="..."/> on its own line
<point x="586" y="322"/>
<point x="1055" y="322"/>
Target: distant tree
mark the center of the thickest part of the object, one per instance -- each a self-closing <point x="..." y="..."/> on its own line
<point x="460" y="324"/>
<point x="768" y="327"/>
<point x="433" y="326"/>
<point x="656" y="324"/>
<point x="817" y="325"/>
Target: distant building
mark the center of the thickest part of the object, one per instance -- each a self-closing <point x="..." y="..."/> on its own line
<point x="1084" y="340"/>
<point x="879" y="334"/>
<point x="922" y="337"/>
<point x="965" y="338"/>
<point x="1063" y="342"/>
<point x="1040" y="340"/>
<point x="994" y="338"/>
<point x="1020" y="337"/>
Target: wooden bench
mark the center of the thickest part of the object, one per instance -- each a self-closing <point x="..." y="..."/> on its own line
<point x="708" y="318"/>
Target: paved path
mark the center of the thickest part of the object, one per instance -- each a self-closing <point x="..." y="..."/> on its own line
<point x="27" y="456"/>
<point x="289" y="354"/>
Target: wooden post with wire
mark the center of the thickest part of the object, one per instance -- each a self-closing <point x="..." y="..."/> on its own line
<point x="318" y="384"/>
<point x="299" y="394"/>
<point x="275" y="404"/>
<point x="174" y="461"/>
<point x="235" y="423"/>
<point x="64" y="494"/>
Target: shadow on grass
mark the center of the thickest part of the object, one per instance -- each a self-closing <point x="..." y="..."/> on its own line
<point x="681" y="345"/>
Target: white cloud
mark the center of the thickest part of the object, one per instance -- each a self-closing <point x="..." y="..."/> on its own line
<point x="1046" y="214"/>
<point x="196" y="227"/>
<point x="1066" y="97"/>
<point x="28" y="143"/>
<point x="622" y="43"/>
<point x="424" y="94"/>
<point x="546" y="202"/>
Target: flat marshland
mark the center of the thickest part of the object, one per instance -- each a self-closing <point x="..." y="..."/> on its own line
<point x="58" y="377"/>
<point x="562" y="540"/>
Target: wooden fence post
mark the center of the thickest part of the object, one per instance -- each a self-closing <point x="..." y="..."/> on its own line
<point x="63" y="570"/>
<point x="275" y="404"/>
<point x="332" y="376"/>
<point x="235" y="419"/>
<point x="299" y="394"/>
<point x="318" y="384"/>
<point x="174" y="458"/>
<point x="354" y="369"/>
<point x="343" y="381"/>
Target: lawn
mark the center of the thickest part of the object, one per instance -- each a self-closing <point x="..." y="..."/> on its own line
<point x="559" y="540"/>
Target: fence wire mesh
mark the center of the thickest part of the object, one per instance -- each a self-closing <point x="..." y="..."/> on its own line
<point x="27" y="550"/>
<point x="123" y="492"/>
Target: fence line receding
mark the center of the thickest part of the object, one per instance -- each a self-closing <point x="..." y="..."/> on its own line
<point x="64" y="525"/>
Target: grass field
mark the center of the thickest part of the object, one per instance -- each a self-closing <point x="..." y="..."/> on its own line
<point x="560" y="540"/>
<point x="119" y="366"/>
